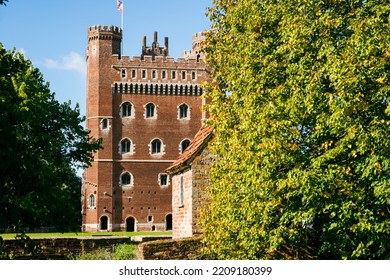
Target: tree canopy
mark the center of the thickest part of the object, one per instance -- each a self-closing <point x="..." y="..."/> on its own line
<point x="300" y="110"/>
<point x="42" y="142"/>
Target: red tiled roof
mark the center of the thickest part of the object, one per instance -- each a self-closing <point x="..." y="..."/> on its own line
<point x="184" y="160"/>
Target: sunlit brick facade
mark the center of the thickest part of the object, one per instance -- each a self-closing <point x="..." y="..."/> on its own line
<point x="146" y="109"/>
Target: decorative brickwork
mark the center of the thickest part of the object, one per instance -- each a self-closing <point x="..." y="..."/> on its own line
<point x="135" y="106"/>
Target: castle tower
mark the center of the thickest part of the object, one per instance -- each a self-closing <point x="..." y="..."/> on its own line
<point x="197" y="44"/>
<point x="146" y="110"/>
<point x="103" y="43"/>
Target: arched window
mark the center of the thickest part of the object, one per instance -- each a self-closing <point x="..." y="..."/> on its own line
<point x="126" y="179"/>
<point x="156" y="147"/>
<point x="126" y="109"/>
<point x="183" y="111"/>
<point x="104" y="124"/>
<point x="150" y="110"/>
<point x="125" y="146"/>
<point x="91" y="201"/>
<point x="184" y="145"/>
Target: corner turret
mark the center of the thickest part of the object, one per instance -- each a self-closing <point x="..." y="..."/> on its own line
<point x="197" y="44"/>
<point x="106" y="33"/>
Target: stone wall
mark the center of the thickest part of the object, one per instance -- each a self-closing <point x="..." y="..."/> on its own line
<point x="200" y="183"/>
<point x="195" y="181"/>
<point x="57" y="248"/>
<point x="179" y="249"/>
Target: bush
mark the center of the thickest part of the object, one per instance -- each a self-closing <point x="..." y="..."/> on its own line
<point x="118" y="252"/>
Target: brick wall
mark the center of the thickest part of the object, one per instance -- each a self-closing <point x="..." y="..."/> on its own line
<point x="186" y="216"/>
<point x="113" y="79"/>
<point x="182" y="206"/>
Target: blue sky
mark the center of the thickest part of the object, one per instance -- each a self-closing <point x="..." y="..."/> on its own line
<point x="53" y="34"/>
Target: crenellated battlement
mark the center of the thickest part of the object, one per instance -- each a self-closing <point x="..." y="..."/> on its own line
<point x="196" y="52"/>
<point x="105" y="28"/>
<point x="105" y="32"/>
<point x="199" y="36"/>
<point x="126" y="60"/>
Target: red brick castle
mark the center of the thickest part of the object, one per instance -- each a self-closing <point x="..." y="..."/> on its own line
<point x="146" y="109"/>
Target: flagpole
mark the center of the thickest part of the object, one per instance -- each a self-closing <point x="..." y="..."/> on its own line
<point x="123" y="10"/>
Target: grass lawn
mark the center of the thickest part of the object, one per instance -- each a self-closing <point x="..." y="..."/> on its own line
<point x="81" y="234"/>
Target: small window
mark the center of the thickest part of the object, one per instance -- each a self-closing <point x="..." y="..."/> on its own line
<point x="183" y="111"/>
<point x="193" y="75"/>
<point x="183" y="75"/>
<point x="150" y="219"/>
<point x="123" y="73"/>
<point x="174" y="75"/>
<point x="91" y="201"/>
<point x="133" y="74"/>
<point x="184" y="145"/>
<point x="125" y="146"/>
<point x="163" y="180"/>
<point x="150" y="110"/>
<point x="164" y="74"/>
<point x="126" y="109"/>
<point x="126" y="179"/>
<point x="143" y="74"/>
<point x="154" y="74"/>
<point x="181" y="195"/>
<point x="155" y="147"/>
<point x="104" y="123"/>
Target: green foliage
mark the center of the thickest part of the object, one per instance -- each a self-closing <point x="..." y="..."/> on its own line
<point x="118" y="252"/>
<point x="125" y="252"/>
<point x="301" y="117"/>
<point x="3" y="255"/>
<point x="41" y="142"/>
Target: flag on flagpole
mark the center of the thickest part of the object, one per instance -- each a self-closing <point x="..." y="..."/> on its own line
<point x="120" y="6"/>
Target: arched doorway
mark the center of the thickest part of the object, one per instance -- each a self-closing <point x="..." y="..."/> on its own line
<point x="103" y="223"/>
<point x="168" y="222"/>
<point x="130" y="224"/>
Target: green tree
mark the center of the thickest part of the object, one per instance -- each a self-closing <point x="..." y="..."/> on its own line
<point x="2" y="2"/>
<point x="42" y="143"/>
<point x="301" y="119"/>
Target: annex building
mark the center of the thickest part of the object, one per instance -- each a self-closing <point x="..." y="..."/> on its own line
<point x="146" y="109"/>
